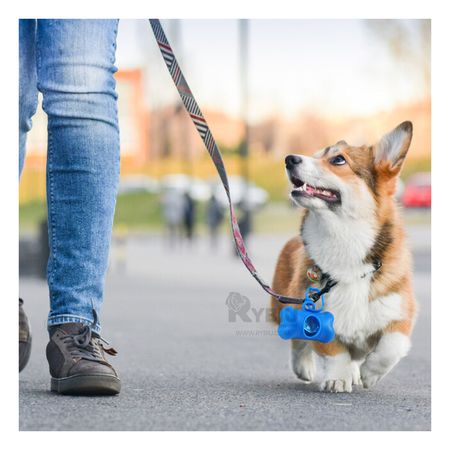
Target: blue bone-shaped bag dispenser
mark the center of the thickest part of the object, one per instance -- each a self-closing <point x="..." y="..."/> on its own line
<point x="307" y="323"/>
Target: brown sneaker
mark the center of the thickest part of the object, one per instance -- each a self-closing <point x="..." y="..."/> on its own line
<point x="76" y="357"/>
<point x="24" y="337"/>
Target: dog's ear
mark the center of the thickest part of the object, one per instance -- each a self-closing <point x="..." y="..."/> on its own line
<point x="390" y="152"/>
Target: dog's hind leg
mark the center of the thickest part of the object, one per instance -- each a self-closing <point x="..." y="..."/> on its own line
<point x="302" y="360"/>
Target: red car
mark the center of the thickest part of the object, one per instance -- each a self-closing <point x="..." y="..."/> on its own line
<point x="417" y="193"/>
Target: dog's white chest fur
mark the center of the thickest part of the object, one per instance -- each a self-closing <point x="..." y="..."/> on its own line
<point x="339" y="247"/>
<point x="355" y="317"/>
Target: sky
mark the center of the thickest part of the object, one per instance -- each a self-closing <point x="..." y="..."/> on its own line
<point x="329" y="67"/>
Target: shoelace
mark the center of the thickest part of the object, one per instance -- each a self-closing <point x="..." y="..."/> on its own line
<point x="86" y="345"/>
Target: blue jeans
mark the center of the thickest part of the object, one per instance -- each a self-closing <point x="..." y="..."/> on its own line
<point x="71" y="62"/>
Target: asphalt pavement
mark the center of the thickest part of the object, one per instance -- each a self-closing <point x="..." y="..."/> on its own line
<point x="187" y="363"/>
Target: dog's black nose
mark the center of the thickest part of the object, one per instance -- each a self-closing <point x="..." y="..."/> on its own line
<point x="292" y="160"/>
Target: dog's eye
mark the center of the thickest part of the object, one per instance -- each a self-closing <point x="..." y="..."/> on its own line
<point x="338" y="160"/>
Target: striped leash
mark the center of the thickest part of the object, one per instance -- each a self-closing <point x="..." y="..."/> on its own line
<point x="205" y="133"/>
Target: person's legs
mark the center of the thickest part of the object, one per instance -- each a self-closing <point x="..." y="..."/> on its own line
<point x="75" y="68"/>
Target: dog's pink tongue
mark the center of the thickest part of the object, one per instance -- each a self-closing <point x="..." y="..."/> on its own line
<point x="310" y="189"/>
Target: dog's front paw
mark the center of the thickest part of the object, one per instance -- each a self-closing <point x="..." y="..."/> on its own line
<point x="336" y="385"/>
<point x="369" y="376"/>
<point x="302" y="359"/>
<point x="388" y="352"/>
<point x="304" y="372"/>
<point x="336" y="373"/>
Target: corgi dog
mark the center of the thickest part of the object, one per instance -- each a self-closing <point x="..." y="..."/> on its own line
<point x="351" y="228"/>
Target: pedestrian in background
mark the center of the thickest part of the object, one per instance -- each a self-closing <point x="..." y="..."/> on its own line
<point x="214" y="218"/>
<point x="189" y="216"/>
<point x="173" y="207"/>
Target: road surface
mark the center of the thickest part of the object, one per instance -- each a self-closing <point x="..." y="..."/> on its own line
<point x="185" y="366"/>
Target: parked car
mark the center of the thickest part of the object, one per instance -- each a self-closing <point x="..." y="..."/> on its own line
<point x="417" y="193"/>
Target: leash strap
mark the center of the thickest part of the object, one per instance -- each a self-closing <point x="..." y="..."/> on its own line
<point x="205" y="133"/>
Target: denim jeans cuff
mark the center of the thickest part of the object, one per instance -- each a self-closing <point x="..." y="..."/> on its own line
<point x="67" y="318"/>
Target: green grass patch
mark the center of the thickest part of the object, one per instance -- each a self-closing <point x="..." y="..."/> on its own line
<point x="141" y="211"/>
<point x="31" y="214"/>
<point x="138" y="210"/>
<point x="134" y="211"/>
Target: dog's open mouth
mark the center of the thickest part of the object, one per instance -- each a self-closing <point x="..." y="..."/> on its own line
<point x="302" y="189"/>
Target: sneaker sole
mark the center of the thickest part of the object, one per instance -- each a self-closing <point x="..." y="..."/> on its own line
<point x="24" y="355"/>
<point x="86" y="385"/>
